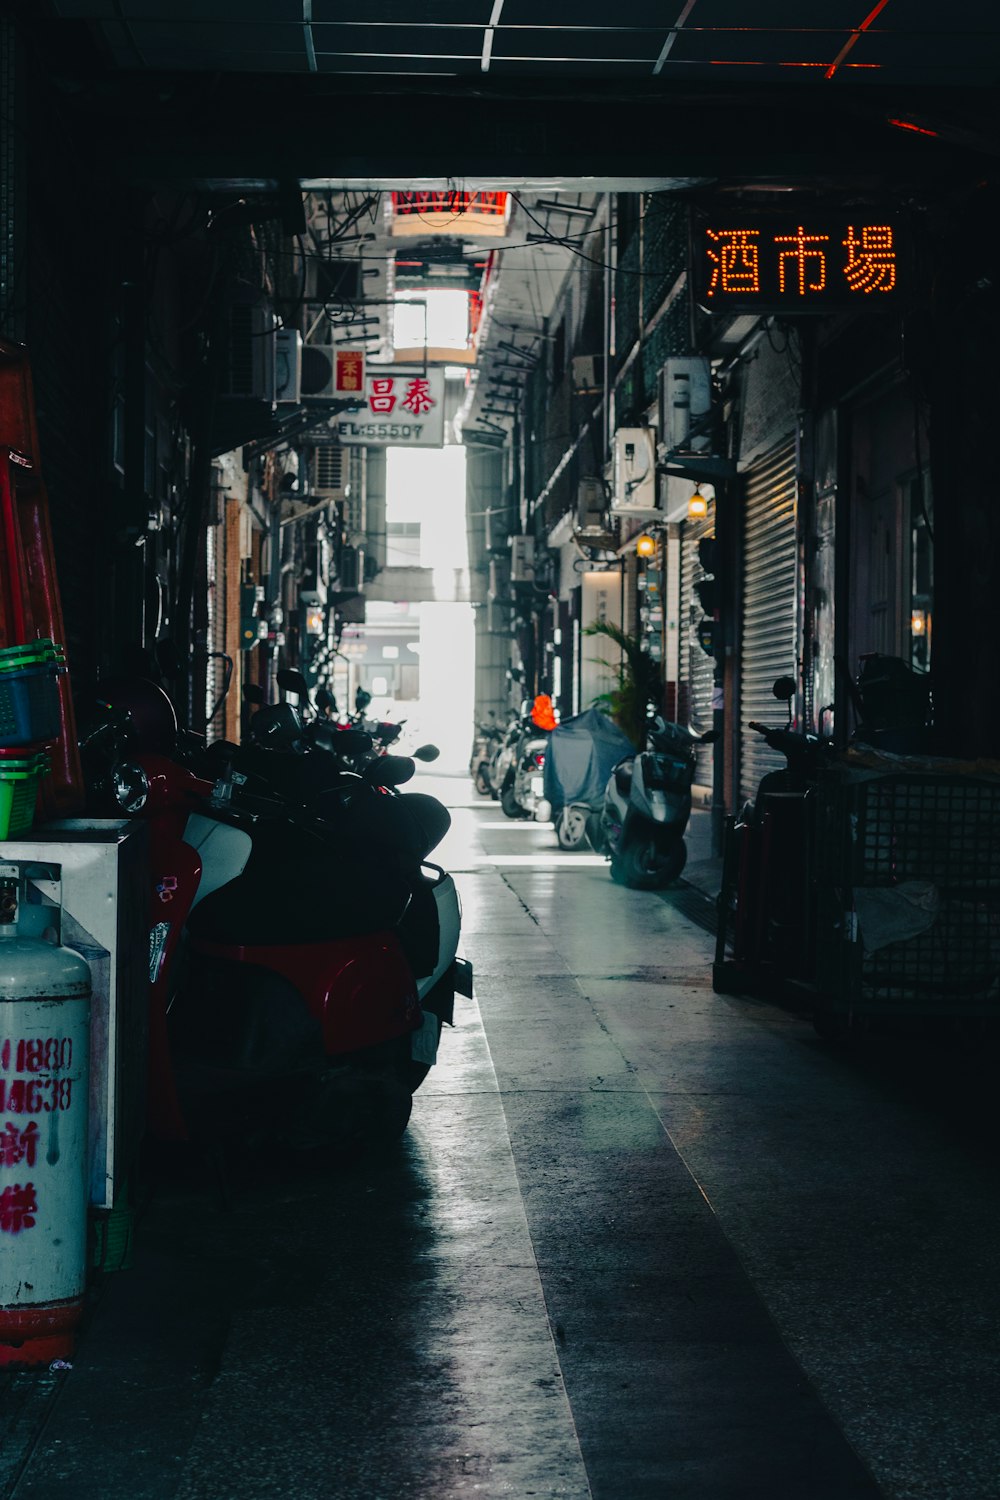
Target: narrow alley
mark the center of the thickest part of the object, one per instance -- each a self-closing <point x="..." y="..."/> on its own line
<point x="640" y="1241"/>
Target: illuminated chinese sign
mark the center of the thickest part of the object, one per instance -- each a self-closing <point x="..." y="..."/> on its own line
<point x="404" y="408"/>
<point x="445" y="211"/>
<point x="806" y="262"/>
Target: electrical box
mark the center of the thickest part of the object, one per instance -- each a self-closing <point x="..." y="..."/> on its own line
<point x="591" y="504"/>
<point x="635" y="472"/>
<point x="588" y="373"/>
<point x="685" y="404"/>
<point x="98" y="870"/>
<point x="288" y="367"/>
<point x="522" y="559"/>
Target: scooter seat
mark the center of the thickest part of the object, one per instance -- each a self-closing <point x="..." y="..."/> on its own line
<point x="312" y="898"/>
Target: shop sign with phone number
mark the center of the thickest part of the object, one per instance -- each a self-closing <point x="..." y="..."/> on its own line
<point x="403" y="408"/>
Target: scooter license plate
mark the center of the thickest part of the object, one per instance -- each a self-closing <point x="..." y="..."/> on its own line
<point x="424" y="1041"/>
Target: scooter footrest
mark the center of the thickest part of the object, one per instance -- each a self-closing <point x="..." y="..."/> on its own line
<point x="463" y="977"/>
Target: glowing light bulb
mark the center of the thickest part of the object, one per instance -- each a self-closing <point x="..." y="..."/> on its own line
<point x="697" y="506"/>
<point x="645" y="545"/>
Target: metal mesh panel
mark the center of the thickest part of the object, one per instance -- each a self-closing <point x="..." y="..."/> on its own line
<point x="943" y="830"/>
<point x="665" y="237"/>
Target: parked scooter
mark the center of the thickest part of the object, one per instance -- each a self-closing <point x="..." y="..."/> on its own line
<point x="582" y="753"/>
<point x="522" y="788"/>
<point x="487" y="738"/>
<point x="502" y="759"/>
<point x="647" y="804"/>
<point x="302" y="949"/>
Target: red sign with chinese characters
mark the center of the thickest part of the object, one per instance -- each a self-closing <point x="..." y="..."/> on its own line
<point x="807" y="262"/>
<point x="349" y="371"/>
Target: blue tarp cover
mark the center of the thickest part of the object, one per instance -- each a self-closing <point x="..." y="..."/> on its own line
<point x="580" y="756"/>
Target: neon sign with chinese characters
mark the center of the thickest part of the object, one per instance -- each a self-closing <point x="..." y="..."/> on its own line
<point x="807" y="262"/>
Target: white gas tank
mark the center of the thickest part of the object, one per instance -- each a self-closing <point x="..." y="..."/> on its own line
<point x="44" y="1079"/>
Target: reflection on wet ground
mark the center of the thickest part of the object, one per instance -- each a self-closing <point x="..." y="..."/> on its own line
<point x="639" y="1241"/>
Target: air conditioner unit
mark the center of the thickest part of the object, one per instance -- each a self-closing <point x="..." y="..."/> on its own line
<point x="522" y="559"/>
<point x="248" y="374"/>
<point x="591" y="505"/>
<point x="288" y="366"/>
<point x="328" y="472"/>
<point x="317" y="369"/>
<point x="588" y="372"/>
<point x="635" y="472"/>
<point x="685" y="402"/>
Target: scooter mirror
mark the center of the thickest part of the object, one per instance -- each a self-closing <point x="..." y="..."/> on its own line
<point x="389" y="770"/>
<point x="325" y="699"/>
<point x="253" y="693"/>
<point x="784" y="689"/>
<point x="426" y="753"/>
<point x="292" y="681"/>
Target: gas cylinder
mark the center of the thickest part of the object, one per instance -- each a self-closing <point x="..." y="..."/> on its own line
<point x="44" y="1079"/>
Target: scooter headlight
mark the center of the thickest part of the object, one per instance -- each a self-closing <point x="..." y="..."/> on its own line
<point x="131" y="786"/>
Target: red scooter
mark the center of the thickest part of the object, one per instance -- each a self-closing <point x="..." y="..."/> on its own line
<point x="302" y="953"/>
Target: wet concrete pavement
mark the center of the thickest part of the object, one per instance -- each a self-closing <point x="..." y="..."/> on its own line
<point x="640" y="1241"/>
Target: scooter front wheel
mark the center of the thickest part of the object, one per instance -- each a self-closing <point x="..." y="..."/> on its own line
<point x="643" y="867"/>
<point x="571" y="827"/>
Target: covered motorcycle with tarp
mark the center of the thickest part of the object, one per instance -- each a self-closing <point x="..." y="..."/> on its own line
<point x="582" y="753"/>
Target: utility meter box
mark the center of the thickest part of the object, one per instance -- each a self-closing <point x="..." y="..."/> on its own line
<point x="685" y="403"/>
<point x="635" y="472"/>
<point x="522" y="559"/>
<point x="98" y="869"/>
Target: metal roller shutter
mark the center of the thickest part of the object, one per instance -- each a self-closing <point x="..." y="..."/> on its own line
<point x="696" y="667"/>
<point x="768" y="635"/>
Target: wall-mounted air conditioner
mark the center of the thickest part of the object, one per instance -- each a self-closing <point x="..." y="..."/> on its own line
<point x="635" y="471"/>
<point x="522" y="559"/>
<point x="317" y="369"/>
<point x="591" y="505"/>
<point x="328" y="472"/>
<point x="248" y="373"/>
<point x="685" y="404"/>
<point x="288" y="366"/>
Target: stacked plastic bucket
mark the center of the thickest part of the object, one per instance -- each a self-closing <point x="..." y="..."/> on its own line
<point x="29" y="719"/>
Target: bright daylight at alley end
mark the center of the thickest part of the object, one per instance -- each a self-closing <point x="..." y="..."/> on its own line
<point x="499" y="750"/>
